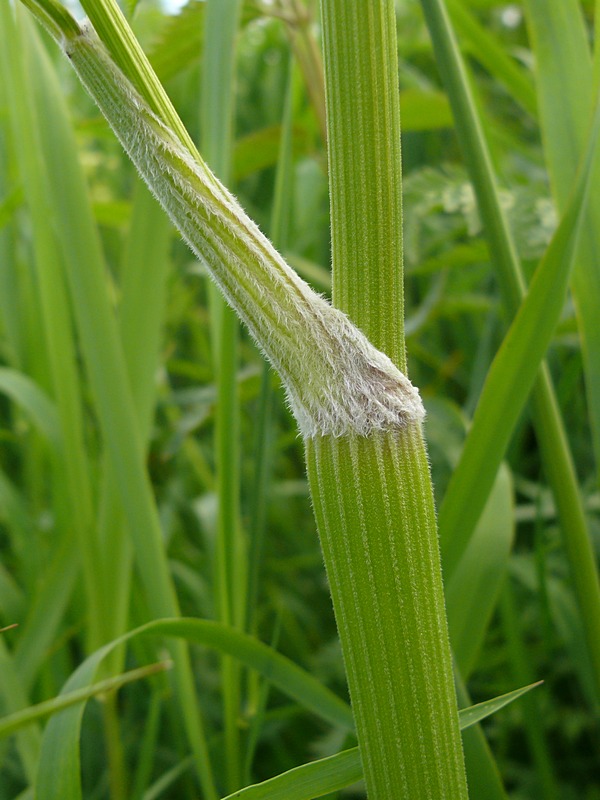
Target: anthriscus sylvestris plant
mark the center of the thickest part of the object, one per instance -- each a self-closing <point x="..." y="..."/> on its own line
<point x="356" y="409"/>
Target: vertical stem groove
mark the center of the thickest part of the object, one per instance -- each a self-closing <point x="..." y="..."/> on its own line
<point x="380" y="555"/>
<point x="372" y="494"/>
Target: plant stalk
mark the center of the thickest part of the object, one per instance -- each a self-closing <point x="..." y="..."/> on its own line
<point x="372" y="494"/>
<point x="358" y="413"/>
<point x="374" y="508"/>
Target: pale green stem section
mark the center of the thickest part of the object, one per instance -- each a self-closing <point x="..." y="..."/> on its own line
<point x="363" y="121"/>
<point x="336" y="380"/>
<point x="372" y="494"/>
<point x="374" y="508"/>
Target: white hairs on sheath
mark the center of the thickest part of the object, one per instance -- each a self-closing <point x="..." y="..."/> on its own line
<point x="337" y="382"/>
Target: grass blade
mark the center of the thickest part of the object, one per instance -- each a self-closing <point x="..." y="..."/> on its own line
<point x="218" y="69"/>
<point x="309" y="780"/>
<point x="59" y="768"/>
<point x="484" y="48"/>
<point x="472" y="591"/>
<point x="565" y="82"/>
<point x="13" y="722"/>
<point x="34" y="401"/>
<point x="107" y="370"/>
<point x="515" y="366"/>
<point x="550" y="433"/>
<point x="343" y="769"/>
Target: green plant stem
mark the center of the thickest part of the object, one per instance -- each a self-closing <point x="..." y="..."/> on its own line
<point x="372" y="495"/>
<point x="565" y="84"/>
<point x="114" y="30"/>
<point x="348" y="397"/>
<point x="381" y="553"/>
<point x="363" y="118"/>
<point x="308" y="56"/>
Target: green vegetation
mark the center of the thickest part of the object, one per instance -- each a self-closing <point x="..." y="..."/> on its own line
<point x="154" y="507"/>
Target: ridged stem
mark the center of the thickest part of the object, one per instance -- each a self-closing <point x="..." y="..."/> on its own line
<point x="372" y="493"/>
<point x="360" y="417"/>
<point x="365" y="169"/>
<point x="374" y="507"/>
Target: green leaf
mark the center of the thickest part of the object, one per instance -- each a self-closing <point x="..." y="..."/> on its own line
<point x="13" y="722"/>
<point x="512" y="373"/>
<point x="180" y="43"/>
<point x="343" y="769"/>
<point x="33" y="400"/>
<point x="485" y="49"/>
<point x="564" y="78"/>
<point x="308" y="781"/>
<point x="473" y="588"/>
<point x="58" y="775"/>
<point x="474" y="714"/>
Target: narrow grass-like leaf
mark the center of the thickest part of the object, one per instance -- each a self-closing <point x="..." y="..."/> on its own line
<point x="550" y="433"/>
<point x="74" y="482"/>
<point x="14" y="698"/>
<point x="157" y="790"/>
<point x="516" y="364"/>
<point x="12" y="598"/>
<point x="491" y="55"/>
<point x="218" y="68"/>
<point x="11" y="723"/>
<point x="474" y="714"/>
<point x="34" y="401"/>
<point x="537" y="739"/>
<point x="472" y="592"/>
<point x="564" y="78"/>
<point x="343" y="769"/>
<point x="141" y="313"/>
<point x="280" y="224"/>
<point x="58" y="774"/>
<point x="512" y="374"/>
<point x="107" y="371"/>
<point x="483" y="775"/>
<point x="308" y="781"/>
<point x="45" y="611"/>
